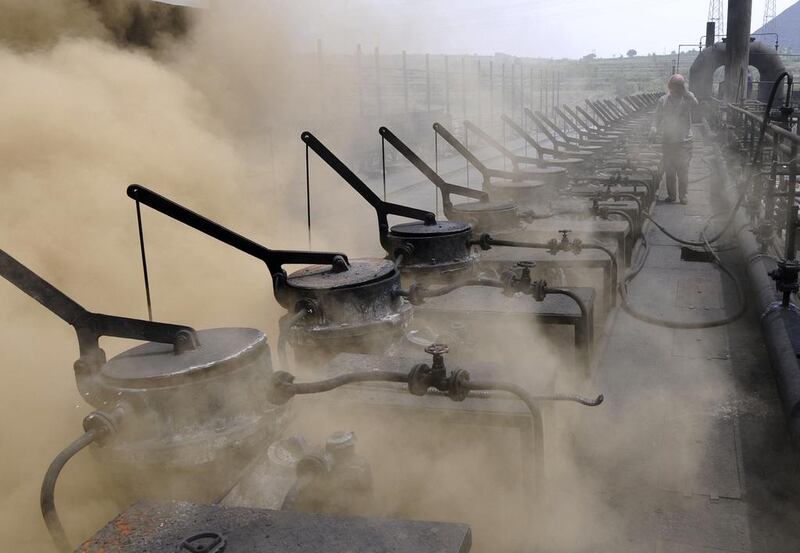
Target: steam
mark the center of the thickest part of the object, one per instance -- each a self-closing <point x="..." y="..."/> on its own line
<point x="207" y="112"/>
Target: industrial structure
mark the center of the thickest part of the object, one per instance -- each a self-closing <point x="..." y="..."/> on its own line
<point x="545" y="338"/>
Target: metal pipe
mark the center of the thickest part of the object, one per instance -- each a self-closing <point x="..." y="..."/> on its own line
<point x="47" y="496"/>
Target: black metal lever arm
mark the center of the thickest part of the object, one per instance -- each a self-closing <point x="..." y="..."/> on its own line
<point x="274" y="259"/>
<point x="381" y="208"/>
<point x="91" y="326"/>
<point x="446" y="187"/>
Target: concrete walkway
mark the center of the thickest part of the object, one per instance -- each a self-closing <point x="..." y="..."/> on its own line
<point x="690" y="453"/>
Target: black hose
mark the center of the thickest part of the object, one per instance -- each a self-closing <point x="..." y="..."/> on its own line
<point x="47" y="495"/>
<point x="701" y="243"/>
<point x="628" y="308"/>
<point x="768" y="113"/>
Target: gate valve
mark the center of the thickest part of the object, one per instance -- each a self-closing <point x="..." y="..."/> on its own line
<point x="485" y="241"/>
<point x="422" y="377"/>
<point x="785" y="276"/>
<point x="518" y="279"/>
<point x="539" y="290"/>
<point x="438" y="352"/>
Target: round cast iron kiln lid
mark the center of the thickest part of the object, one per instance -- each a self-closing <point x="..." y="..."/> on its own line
<point x="485" y="207"/>
<point x="441" y="228"/>
<point x="518" y="184"/>
<point x="154" y="364"/>
<point x="360" y="271"/>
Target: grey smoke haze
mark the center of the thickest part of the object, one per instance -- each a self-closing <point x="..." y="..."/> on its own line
<point x="537" y="28"/>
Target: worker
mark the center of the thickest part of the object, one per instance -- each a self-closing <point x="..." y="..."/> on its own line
<point x="673" y="121"/>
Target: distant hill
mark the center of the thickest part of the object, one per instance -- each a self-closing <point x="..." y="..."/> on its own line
<point x="787" y="25"/>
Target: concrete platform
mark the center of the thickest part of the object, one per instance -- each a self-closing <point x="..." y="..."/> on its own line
<point x="696" y="457"/>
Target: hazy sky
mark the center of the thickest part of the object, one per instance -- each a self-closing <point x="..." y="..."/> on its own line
<point x="542" y="28"/>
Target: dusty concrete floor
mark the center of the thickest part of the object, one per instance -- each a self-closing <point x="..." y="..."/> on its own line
<point x="708" y="465"/>
<point x="698" y="459"/>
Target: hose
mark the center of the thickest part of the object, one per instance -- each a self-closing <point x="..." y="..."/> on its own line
<point x="701" y="243"/>
<point x="628" y="308"/>
<point x="47" y="495"/>
<point x="768" y="113"/>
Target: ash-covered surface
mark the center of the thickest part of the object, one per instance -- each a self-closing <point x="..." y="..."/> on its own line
<point x="162" y="527"/>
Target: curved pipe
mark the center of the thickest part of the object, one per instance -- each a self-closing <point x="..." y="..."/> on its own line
<point x="572" y="295"/>
<point x="539" y="246"/>
<point x="444" y="290"/>
<point x="625" y="216"/>
<point x="537" y="429"/>
<point x="47" y="496"/>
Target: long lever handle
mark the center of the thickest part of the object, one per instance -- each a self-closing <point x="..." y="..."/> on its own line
<point x="382" y="209"/>
<point x="274" y="259"/>
<point x="446" y="187"/>
<point x="91" y="326"/>
<point x="461" y="149"/>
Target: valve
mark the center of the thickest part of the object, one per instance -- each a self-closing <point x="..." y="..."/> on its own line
<point x="785" y="276"/>
<point x="565" y="244"/>
<point x="539" y="290"/>
<point x="518" y="279"/>
<point x="438" y="352"/>
<point x="422" y="377"/>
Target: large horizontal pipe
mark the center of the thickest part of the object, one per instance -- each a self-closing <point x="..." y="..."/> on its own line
<point x="778" y="325"/>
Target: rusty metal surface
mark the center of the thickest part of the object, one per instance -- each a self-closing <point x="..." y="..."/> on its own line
<point x="321" y="277"/>
<point x="163" y="527"/>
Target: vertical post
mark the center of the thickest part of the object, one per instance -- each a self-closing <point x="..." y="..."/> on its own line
<point x="503" y="91"/>
<point x="521" y="92"/>
<point x="552" y="93"/>
<point x="446" y="86"/>
<point x="464" y="86"/>
<point x="428" y="81"/>
<point x="359" y="78"/>
<point x="791" y="214"/>
<point x="530" y="87"/>
<point x="711" y="31"/>
<point x="512" y="99"/>
<point x="378" y="81"/>
<point x="491" y="91"/>
<point x="737" y="50"/>
<point x="321" y="78"/>
<point x="478" y="88"/>
<point x="558" y="88"/>
<point x="405" y="83"/>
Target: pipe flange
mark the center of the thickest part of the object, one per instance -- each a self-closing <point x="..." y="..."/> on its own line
<point x="458" y="388"/>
